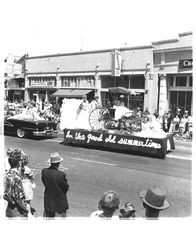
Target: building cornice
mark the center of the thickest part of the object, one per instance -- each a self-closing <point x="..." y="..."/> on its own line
<point x="185" y="33"/>
<point x="82" y="73"/>
<point x="165" y="41"/>
<point x="92" y="52"/>
<point x="156" y="51"/>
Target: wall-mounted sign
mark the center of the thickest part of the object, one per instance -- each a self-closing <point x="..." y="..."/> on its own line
<point x="185" y="63"/>
<point x="42" y="84"/>
<point x="116" y="63"/>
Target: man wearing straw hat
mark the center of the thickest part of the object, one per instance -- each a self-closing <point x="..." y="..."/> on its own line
<point x="154" y="201"/>
<point x="56" y="187"/>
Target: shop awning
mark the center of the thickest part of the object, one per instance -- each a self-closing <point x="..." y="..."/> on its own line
<point x="121" y="90"/>
<point x="71" y="92"/>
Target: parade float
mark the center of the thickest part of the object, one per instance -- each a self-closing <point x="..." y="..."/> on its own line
<point x="118" y="129"/>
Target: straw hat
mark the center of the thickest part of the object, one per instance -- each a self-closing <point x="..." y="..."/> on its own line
<point x="55" y="158"/>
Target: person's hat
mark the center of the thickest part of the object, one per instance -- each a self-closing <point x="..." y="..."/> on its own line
<point x="109" y="199"/>
<point x="155" y="197"/>
<point x="55" y="158"/>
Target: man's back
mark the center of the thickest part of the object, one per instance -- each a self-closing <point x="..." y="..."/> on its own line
<point x="56" y="187"/>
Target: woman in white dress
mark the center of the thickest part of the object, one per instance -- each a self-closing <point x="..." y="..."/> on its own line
<point x="82" y="118"/>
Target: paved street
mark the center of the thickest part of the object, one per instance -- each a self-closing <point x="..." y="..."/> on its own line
<point x="92" y="172"/>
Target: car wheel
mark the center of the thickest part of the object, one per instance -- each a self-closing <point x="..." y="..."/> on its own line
<point x="20" y="133"/>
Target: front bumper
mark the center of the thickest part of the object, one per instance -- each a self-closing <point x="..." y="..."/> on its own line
<point x="45" y="132"/>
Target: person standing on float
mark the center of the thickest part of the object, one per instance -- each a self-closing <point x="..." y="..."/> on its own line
<point x="82" y="119"/>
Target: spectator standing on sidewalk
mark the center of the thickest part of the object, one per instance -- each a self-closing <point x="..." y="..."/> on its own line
<point x="190" y="127"/>
<point x="13" y="188"/>
<point x="186" y="113"/>
<point x="154" y="201"/>
<point x="28" y="184"/>
<point x="170" y="118"/>
<point x="176" y="122"/>
<point x="56" y="188"/>
<point x="182" y="126"/>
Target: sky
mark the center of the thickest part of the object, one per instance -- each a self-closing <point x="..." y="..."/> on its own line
<point x="42" y="27"/>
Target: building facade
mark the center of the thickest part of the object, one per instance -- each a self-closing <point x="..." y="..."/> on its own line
<point x="14" y="84"/>
<point x="173" y="63"/>
<point x="92" y="72"/>
<point x="160" y="75"/>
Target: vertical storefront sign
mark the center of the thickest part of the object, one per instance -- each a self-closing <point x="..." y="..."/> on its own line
<point x="116" y="63"/>
<point x="186" y="63"/>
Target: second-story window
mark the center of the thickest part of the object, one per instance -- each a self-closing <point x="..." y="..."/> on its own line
<point x="181" y="81"/>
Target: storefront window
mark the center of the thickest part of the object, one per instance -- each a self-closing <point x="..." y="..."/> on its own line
<point x="111" y="81"/>
<point x="171" y="81"/>
<point x="180" y="99"/>
<point x="137" y="82"/>
<point x="191" y="81"/>
<point x="189" y="101"/>
<point x="173" y="101"/>
<point x="181" y="81"/>
<point x="74" y="82"/>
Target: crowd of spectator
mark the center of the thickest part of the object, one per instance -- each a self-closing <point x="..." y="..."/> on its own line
<point x="180" y="124"/>
<point x="19" y="185"/>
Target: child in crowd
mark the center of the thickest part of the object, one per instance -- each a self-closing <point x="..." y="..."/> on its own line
<point x="28" y="183"/>
<point x="127" y="211"/>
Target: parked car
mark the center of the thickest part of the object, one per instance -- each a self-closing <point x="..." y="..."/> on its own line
<point x="29" y="127"/>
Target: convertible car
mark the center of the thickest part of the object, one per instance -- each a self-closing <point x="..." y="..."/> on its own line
<point x="23" y="127"/>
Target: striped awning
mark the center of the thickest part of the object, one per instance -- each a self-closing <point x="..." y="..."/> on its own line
<point x="71" y="92"/>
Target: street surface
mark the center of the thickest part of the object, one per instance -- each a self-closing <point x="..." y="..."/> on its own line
<point x="92" y="172"/>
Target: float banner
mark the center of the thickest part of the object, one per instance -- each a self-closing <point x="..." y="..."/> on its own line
<point x="157" y="147"/>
